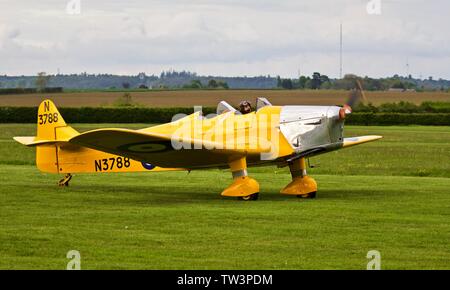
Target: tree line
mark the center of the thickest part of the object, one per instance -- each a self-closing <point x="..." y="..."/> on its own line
<point x="322" y="82"/>
<point x="188" y="80"/>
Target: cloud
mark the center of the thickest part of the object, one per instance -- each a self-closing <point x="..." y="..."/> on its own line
<point x="251" y="37"/>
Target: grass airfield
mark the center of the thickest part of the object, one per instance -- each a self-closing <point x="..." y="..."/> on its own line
<point x="392" y="196"/>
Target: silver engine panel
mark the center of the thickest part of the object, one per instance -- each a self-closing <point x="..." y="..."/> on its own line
<point x="309" y="127"/>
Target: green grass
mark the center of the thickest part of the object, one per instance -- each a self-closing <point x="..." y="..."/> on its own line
<point x="392" y="196"/>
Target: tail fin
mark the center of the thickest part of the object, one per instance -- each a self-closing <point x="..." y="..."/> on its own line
<point x="51" y="130"/>
<point x="51" y="125"/>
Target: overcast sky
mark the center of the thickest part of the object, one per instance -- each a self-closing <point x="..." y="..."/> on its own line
<point x="228" y="37"/>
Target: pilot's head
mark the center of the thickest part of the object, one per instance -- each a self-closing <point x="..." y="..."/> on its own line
<point x="245" y="107"/>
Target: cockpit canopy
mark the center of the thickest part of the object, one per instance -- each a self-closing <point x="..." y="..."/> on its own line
<point x="224" y="107"/>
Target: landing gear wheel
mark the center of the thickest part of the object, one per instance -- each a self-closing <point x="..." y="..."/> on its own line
<point x="65" y="180"/>
<point x="250" y="197"/>
<point x="310" y="195"/>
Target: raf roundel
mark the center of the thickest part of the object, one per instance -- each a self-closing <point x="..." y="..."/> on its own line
<point x="146" y="147"/>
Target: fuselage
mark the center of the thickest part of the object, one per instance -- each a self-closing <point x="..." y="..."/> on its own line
<point x="269" y="135"/>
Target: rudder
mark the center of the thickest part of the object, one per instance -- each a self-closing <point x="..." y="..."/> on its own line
<point x="52" y="127"/>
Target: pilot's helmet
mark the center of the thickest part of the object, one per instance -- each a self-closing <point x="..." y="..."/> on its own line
<point x="245" y="107"/>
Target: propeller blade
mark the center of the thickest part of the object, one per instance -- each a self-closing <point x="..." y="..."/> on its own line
<point x="354" y="96"/>
<point x="361" y="90"/>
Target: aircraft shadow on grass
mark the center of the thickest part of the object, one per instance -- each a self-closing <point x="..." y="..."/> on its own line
<point x="149" y="194"/>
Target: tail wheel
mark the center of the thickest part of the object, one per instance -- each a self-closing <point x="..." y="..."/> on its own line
<point x="254" y="196"/>
<point x="65" y="181"/>
<point x="308" y="195"/>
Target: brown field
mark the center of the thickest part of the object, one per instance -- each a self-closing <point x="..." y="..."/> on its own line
<point x="212" y="97"/>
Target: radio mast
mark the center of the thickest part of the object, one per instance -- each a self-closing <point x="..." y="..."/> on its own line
<point x="340" y="53"/>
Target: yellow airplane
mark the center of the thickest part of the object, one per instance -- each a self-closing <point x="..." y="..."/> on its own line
<point x="280" y="135"/>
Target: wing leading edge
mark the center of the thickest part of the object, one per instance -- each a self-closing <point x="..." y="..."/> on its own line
<point x="348" y="142"/>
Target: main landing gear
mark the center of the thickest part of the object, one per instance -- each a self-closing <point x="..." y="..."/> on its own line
<point x="302" y="185"/>
<point x="243" y="187"/>
<point x="246" y="188"/>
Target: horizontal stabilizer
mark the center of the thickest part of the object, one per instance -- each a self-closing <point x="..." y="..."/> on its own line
<point x="34" y="141"/>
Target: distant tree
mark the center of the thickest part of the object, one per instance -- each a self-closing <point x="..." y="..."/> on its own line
<point x="324" y="79"/>
<point x="316" y="81"/>
<point x="398" y="85"/>
<point x="212" y="84"/>
<point x="223" y="85"/>
<point x="308" y="84"/>
<point x="141" y="75"/>
<point x="302" y="82"/>
<point x="287" y="84"/>
<point x="143" y="87"/>
<point x="325" y="82"/>
<point x="373" y="85"/>
<point x="195" y="84"/>
<point x="42" y="80"/>
<point x="410" y="85"/>
<point x="325" y="85"/>
<point x="126" y="85"/>
<point x="279" y="84"/>
<point x="347" y="83"/>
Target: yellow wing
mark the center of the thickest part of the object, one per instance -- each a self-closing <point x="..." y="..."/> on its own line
<point x="158" y="148"/>
<point x="196" y="142"/>
<point x="348" y="142"/>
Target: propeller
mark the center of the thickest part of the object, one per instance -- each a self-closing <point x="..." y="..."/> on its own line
<point x="355" y="95"/>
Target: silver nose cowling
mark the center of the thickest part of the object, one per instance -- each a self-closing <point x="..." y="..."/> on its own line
<point x="309" y="127"/>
